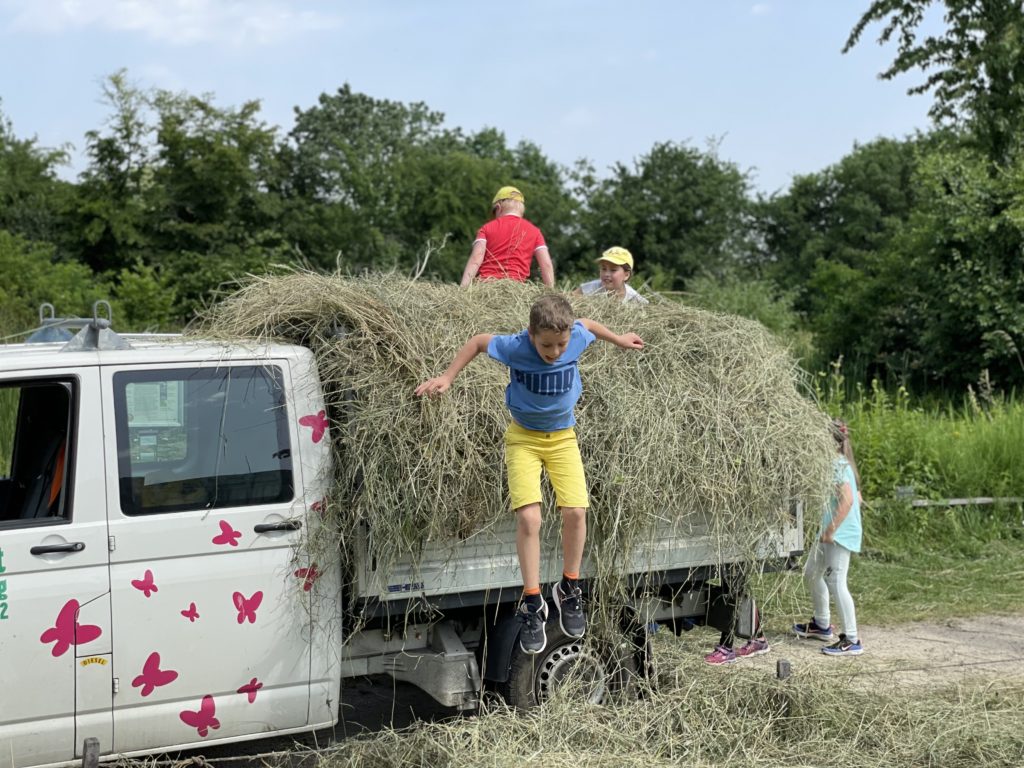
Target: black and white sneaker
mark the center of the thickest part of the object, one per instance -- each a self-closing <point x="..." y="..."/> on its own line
<point x="532" y="637"/>
<point x="569" y="601"/>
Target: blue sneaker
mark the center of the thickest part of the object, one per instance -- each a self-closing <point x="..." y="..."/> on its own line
<point x="844" y="647"/>
<point x="812" y="629"/>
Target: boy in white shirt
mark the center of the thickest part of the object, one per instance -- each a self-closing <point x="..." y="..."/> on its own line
<point x="615" y="268"/>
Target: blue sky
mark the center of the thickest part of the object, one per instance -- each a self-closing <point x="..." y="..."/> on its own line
<point x="601" y="80"/>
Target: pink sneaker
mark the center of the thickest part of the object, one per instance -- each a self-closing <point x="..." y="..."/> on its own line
<point x="753" y="648"/>
<point x="721" y="655"/>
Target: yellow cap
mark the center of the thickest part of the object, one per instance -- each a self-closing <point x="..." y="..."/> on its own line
<point x="618" y="255"/>
<point x="508" y="193"/>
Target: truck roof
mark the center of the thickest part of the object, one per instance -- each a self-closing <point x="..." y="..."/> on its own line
<point x="145" y="348"/>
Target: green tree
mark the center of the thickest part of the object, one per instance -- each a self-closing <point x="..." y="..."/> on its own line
<point x="844" y="214"/>
<point x="680" y="211"/>
<point x="111" y="208"/>
<point x="964" y="245"/>
<point x="213" y="174"/>
<point x="377" y="181"/>
<point x="33" y="201"/>
<point x="143" y="300"/>
<point x="213" y="207"/>
<point x="179" y="192"/>
<point x="344" y="193"/>
<point x="33" y="275"/>
<point x="966" y="242"/>
<point x="976" y="69"/>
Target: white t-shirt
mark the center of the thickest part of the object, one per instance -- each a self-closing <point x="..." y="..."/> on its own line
<point x="594" y="286"/>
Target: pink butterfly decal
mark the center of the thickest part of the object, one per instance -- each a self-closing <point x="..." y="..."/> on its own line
<point x="152" y="676"/>
<point x="227" y="535"/>
<point x="203" y="719"/>
<point x="191" y="614"/>
<point x="247" y="606"/>
<point x="250" y="689"/>
<point x="318" y="423"/>
<point x="145" y="585"/>
<point x="308" y="576"/>
<point x="66" y="631"/>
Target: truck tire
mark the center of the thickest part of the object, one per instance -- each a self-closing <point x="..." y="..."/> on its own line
<point x="603" y="670"/>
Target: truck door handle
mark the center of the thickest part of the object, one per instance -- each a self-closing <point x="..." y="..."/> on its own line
<point x="47" y="549"/>
<point x="284" y="525"/>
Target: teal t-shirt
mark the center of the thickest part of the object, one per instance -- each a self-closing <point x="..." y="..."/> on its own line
<point x="850" y="532"/>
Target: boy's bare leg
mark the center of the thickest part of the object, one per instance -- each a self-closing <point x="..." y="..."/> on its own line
<point x="574" y="537"/>
<point x="528" y="545"/>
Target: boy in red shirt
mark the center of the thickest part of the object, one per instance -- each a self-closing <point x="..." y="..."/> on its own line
<point x="506" y="246"/>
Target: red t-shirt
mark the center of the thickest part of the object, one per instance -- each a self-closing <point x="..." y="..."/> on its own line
<point x="511" y="242"/>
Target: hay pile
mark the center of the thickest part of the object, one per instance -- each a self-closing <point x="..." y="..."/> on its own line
<point x="706" y="426"/>
<point x="703" y="716"/>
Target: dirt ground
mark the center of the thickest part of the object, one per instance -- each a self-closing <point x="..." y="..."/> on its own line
<point x="920" y="653"/>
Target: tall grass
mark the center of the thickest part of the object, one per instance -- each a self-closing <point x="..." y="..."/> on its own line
<point x="8" y="418"/>
<point x="940" y="450"/>
<point x="930" y="562"/>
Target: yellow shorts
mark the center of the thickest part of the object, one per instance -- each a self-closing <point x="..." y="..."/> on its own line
<point x="527" y="451"/>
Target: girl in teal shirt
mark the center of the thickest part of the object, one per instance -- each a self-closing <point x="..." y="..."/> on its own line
<point x="829" y="561"/>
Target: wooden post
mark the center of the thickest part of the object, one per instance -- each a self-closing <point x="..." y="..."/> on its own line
<point x="782" y="669"/>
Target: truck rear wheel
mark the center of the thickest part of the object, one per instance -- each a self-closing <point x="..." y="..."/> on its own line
<point x="601" y="670"/>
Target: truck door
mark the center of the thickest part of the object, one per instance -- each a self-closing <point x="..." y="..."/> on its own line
<point x="205" y="510"/>
<point x="55" y="631"/>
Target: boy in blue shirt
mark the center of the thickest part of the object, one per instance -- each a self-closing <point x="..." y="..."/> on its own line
<point x="544" y="385"/>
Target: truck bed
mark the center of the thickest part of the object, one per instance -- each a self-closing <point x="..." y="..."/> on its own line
<point x="487" y="561"/>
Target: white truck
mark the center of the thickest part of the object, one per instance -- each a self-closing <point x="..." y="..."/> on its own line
<point x="155" y="593"/>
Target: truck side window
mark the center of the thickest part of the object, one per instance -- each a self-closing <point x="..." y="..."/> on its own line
<point x="35" y="435"/>
<point x="201" y="438"/>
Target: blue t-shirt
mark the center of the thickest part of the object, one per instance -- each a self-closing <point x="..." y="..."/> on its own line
<point x="849" y="532"/>
<point x="541" y="396"/>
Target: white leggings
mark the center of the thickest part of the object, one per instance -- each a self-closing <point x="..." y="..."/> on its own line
<point x="824" y="573"/>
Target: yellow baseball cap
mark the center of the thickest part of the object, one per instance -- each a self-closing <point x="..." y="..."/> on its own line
<point x="508" y="193"/>
<point x="618" y="255"/>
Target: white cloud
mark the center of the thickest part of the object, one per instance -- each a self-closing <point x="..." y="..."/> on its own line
<point x="760" y="9"/>
<point x="178" y="22"/>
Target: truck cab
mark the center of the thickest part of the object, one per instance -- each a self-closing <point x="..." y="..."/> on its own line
<point x="153" y="592"/>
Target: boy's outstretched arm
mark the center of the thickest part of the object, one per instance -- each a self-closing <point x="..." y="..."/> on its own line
<point x="625" y="340"/>
<point x="472" y="348"/>
<point x="476" y="258"/>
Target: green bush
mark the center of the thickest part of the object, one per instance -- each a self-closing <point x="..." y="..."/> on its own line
<point x="941" y="450"/>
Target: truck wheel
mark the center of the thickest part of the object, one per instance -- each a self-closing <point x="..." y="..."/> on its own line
<point x="602" y="670"/>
